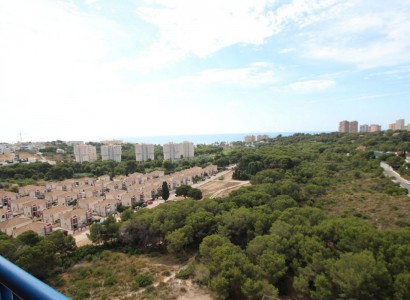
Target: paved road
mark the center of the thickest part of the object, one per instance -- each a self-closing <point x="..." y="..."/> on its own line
<point x="388" y="171"/>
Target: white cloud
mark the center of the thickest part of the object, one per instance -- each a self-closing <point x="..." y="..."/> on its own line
<point x="255" y="74"/>
<point x="190" y="28"/>
<point x="91" y="2"/>
<point x="312" y="85"/>
<point x="364" y="35"/>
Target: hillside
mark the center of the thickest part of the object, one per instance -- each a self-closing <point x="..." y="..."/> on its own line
<point x="320" y="221"/>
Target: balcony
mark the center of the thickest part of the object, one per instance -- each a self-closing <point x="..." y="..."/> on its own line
<point x="17" y="284"/>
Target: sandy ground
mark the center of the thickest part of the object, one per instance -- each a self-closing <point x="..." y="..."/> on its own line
<point x="221" y="185"/>
<point x="81" y="238"/>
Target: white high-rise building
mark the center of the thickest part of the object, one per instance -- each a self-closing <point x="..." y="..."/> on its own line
<point x="144" y="152"/>
<point x="364" y="128"/>
<point x="173" y="151"/>
<point x="84" y="153"/>
<point x="186" y="149"/>
<point x="111" y="152"/>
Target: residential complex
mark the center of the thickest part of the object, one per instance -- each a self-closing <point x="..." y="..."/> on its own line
<point x="174" y="151"/>
<point x="144" y="152"/>
<point x="84" y="153"/>
<point x="39" y="208"/>
<point x="111" y="152"/>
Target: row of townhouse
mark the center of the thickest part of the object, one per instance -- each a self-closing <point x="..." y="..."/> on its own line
<point x="70" y="219"/>
<point x="51" y="203"/>
<point x="17" y="226"/>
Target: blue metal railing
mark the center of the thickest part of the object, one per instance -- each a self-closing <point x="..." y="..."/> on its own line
<point x="17" y="284"/>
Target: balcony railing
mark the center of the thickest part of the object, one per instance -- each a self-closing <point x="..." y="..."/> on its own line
<point x="17" y="284"/>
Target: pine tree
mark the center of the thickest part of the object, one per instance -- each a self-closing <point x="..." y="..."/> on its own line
<point x="165" y="191"/>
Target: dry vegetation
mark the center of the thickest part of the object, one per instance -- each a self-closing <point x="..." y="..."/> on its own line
<point x="115" y="276"/>
<point x="358" y="199"/>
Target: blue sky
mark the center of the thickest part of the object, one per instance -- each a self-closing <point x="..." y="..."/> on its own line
<point x="96" y="69"/>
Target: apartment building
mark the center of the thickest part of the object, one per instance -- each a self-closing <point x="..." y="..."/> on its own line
<point x="346" y="126"/>
<point x="400" y="124"/>
<point x="364" y="128"/>
<point x="250" y="139"/>
<point x="375" y="128"/>
<point x="353" y="126"/>
<point x="84" y="153"/>
<point x="173" y="151"/>
<point x="111" y="152"/>
<point x="144" y="152"/>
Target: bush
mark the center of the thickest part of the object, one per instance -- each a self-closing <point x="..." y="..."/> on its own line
<point x="185" y="273"/>
<point x="110" y="280"/>
<point x="79" y="291"/>
<point x="142" y="280"/>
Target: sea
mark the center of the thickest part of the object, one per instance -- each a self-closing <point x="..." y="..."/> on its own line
<point x="205" y="138"/>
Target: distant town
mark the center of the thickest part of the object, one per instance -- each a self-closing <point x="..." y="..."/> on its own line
<point x="353" y="126"/>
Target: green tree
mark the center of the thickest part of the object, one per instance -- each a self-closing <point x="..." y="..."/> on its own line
<point x="30" y="238"/>
<point x="195" y="194"/>
<point x="39" y="260"/>
<point x="395" y="161"/>
<point x="402" y="286"/>
<point x="165" y="191"/>
<point x="360" y="276"/>
<point x="182" y="190"/>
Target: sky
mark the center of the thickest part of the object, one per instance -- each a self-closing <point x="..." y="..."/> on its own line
<point x="102" y="69"/>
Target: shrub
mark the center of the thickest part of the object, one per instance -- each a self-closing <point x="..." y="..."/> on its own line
<point x="110" y="280"/>
<point x="142" y="280"/>
<point x="185" y="273"/>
